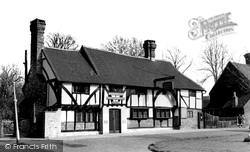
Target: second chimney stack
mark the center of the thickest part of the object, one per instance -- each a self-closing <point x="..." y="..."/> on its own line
<point x="149" y="48"/>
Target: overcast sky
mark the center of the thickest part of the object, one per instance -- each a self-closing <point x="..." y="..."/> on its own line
<point x="95" y="22"/>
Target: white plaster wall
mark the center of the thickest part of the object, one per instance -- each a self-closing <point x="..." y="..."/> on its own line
<point x="142" y="100"/>
<point x="199" y="104"/>
<point x="150" y="112"/>
<point x="71" y="116"/>
<point x="163" y="100"/>
<point x="52" y="124"/>
<point x="198" y="94"/>
<point x="65" y="97"/>
<point x="172" y="98"/>
<point x="150" y="98"/>
<point x="134" y="100"/>
<point x="184" y="102"/>
<point x="92" y="100"/>
<point x="63" y="116"/>
<point x="128" y="112"/>
<point x="185" y="93"/>
<point x="105" y="120"/>
<point x="192" y="102"/>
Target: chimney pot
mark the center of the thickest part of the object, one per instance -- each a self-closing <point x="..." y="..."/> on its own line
<point x="149" y="48"/>
<point x="247" y="58"/>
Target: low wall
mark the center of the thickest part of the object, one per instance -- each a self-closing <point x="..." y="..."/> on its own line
<point x="148" y="123"/>
<point x="52" y="123"/>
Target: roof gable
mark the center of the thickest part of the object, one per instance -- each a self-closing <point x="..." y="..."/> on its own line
<point x="234" y="78"/>
<point x="96" y="66"/>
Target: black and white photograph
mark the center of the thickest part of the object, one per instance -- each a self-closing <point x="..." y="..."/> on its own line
<point x="124" y="76"/>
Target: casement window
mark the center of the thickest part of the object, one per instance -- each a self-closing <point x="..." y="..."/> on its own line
<point x="115" y="88"/>
<point x="190" y="114"/>
<point x="81" y="88"/>
<point x="139" y="113"/>
<point x="162" y="113"/>
<point x="192" y="93"/>
<point x="82" y="116"/>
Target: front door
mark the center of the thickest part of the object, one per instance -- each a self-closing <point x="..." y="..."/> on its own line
<point x="114" y="121"/>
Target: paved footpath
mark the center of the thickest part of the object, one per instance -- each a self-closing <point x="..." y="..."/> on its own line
<point x="139" y="141"/>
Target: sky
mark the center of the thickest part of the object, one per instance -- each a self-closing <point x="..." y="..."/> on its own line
<point x="95" y="22"/>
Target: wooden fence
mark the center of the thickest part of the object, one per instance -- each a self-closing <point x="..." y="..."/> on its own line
<point x="211" y="121"/>
<point x="7" y="127"/>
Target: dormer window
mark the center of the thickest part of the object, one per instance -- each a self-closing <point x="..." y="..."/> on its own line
<point x="80" y="88"/>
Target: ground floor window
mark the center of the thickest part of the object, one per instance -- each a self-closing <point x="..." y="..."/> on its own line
<point x="139" y="113"/>
<point x="83" y="116"/>
<point x="72" y="120"/>
<point x="162" y="113"/>
<point x="190" y="114"/>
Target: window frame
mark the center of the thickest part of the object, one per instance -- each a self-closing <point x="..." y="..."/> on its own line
<point x="162" y="111"/>
<point x="192" y="93"/>
<point x="190" y="114"/>
<point x="81" y="88"/>
<point x="139" y="113"/>
<point x="85" y="116"/>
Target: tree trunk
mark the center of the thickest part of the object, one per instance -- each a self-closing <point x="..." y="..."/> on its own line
<point x="1" y="126"/>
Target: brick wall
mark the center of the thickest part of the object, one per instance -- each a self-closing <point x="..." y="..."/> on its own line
<point x="35" y="91"/>
<point x="148" y="123"/>
<point x="190" y="123"/>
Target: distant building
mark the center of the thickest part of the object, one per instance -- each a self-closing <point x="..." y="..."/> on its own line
<point x="91" y="91"/>
<point x="231" y="94"/>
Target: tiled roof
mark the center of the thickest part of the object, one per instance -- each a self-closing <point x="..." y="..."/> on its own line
<point x="101" y="67"/>
<point x="244" y="68"/>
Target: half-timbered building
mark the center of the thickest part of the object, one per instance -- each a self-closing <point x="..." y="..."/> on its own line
<point x="92" y="91"/>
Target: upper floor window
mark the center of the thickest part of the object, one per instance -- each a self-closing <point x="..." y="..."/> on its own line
<point x="115" y="88"/>
<point x="192" y="93"/>
<point x="81" y="88"/>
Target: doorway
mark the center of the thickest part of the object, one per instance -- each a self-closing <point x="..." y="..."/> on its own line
<point x="114" y="121"/>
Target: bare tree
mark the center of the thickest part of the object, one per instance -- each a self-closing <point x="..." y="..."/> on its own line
<point x="214" y="58"/>
<point x="118" y="44"/>
<point x="61" y="41"/>
<point x="178" y="59"/>
<point x="8" y="74"/>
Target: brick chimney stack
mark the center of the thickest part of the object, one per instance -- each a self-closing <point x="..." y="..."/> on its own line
<point x="37" y="28"/>
<point x="247" y="58"/>
<point x="149" y="48"/>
